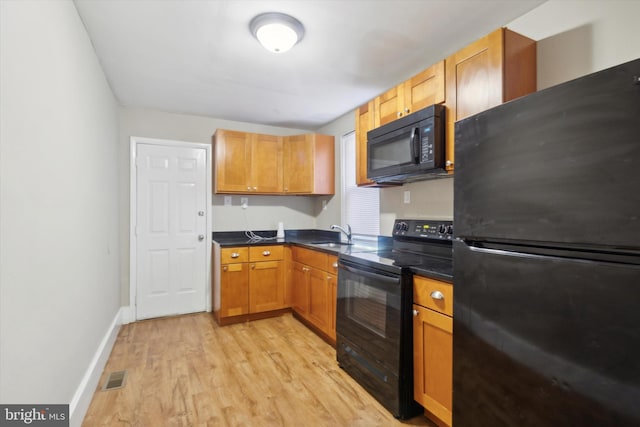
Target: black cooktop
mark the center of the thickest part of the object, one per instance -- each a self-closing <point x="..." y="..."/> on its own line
<point x="419" y="246"/>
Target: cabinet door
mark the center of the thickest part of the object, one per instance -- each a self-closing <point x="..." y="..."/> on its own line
<point x="266" y="164"/>
<point x="232" y="161"/>
<point x="319" y="299"/>
<point x="234" y="289"/>
<point x="424" y="89"/>
<point x="298" y="156"/>
<point x="433" y="362"/>
<point x="300" y="288"/>
<point x="364" y="123"/>
<point x="266" y="286"/>
<point x="389" y="106"/>
<point x="496" y="68"/>
<point x="333" y="295"/>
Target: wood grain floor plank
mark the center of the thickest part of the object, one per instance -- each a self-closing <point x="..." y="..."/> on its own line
<point x="188" y="371"/>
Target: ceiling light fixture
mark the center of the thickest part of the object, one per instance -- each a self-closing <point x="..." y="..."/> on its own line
<point x="277" y="32"/>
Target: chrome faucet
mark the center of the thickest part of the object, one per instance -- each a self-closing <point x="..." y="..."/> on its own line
<point x="346" y="233"/>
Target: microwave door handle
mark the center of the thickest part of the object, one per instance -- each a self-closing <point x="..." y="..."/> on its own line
<point x="415" y="147"/>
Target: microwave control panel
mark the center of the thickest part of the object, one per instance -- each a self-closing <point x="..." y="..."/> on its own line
<point x="425" y="229"/>
<point x="426" y="142"/>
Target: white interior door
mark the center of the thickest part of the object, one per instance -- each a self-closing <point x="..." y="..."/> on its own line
<point x="171" y="224"/>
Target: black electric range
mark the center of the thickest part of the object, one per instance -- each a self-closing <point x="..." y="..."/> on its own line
<point x="423" y="246"/>
<point x="374" y="340"/>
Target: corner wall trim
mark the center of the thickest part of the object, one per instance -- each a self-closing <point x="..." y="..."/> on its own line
<point x="84" y="393"/>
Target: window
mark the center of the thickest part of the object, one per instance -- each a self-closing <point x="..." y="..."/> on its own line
<point x="360" y="205"/>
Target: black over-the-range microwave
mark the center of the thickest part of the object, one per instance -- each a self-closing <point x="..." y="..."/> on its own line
<point x="408" y="149"/>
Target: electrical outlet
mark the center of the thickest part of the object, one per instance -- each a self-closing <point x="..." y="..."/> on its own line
<point x="407" y="196"/>
<point x="227" y="200"/>
<point x="244" y="202"/>
<point x="324" y="205"/>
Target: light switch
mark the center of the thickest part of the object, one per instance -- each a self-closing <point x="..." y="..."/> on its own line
<point x="407" y="196"/>
<point x="244" y="202"/>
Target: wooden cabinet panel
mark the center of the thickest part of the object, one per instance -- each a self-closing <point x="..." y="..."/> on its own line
<point x="389" y="106"/>
<point x="333" y="297"/>
<point x="365" y="121"/>
<point x="433" y="294"/>
<point x="425" y="89"/>
<point x="234" y="289"/>
<point x="266" y="253"/>
<point x="232" y="159"/>
<point x="309" y="162"/>
<point x="266" y="164"/>
<point x="300" y="288"/>
<point x="314" y="288"/>
<point x="494" y="69"/>
<point x="266" y="286"/>
<point x="238" y="254"/>
<point x="433" y="368"/>
<point x="310" y="257"/>
<point x="319" y="302"/>
<point x="251" y="163"/>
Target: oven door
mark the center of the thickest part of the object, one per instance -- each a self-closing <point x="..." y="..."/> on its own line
<point x="369" y="327"/>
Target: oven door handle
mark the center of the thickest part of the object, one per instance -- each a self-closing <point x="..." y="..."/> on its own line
<point x="363" y="271"/>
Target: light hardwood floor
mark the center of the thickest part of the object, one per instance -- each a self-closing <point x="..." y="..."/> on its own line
<point x="188" y="371"/>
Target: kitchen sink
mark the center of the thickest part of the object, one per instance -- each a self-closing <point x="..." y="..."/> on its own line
<point x="327" y="244"/>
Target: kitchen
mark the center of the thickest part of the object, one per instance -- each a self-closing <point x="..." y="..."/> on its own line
<point x="574" y="38"/>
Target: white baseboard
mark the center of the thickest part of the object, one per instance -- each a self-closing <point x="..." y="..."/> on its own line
<point x="84" y="393"/>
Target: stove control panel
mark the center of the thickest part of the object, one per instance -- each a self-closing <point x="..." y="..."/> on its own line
<point x="422" y="228"/>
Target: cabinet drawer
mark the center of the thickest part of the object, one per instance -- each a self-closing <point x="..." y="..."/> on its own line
<point x="266" y="253"/>
<point x="433" y="294"/>
<point x="239" y="254"/>
<point x="310" y="257"/>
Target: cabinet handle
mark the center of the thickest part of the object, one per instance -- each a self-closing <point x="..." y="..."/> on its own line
<point x="305" y="269"/>
<point x="449" y="163"/>
<point x="415" y="313"/>
<point x="248" y="188"/>
<point x="437" y="295"/>
<point x="253" y="266"/>
<point x="399" y="113"/>
<point x="335" y="265"/>
<point x="266" y="253"/>
<point x="225" y="268"/>
<point x="406" y="110"/>
<point x="235" y="255"/>
<point x="286" y="189"/>
<point x="255" y="188"/>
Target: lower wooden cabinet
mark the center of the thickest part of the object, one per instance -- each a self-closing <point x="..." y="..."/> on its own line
<point x="314" y="289"/>
<point x="266" y="279"/>
<point x="251" y="280"/>
<point x="433" y="348"/>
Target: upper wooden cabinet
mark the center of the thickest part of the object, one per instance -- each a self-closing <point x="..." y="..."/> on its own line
<point x="420" y="91"/>
<point x="494" y="69"/>
<point x="251" y="163"/>
<point x="309" y="163"/>
<point x="364" y="123"/>
<point x="247" y="162"/>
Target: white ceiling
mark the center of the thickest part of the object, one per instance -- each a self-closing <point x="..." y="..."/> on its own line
<point x="198" y="56"/>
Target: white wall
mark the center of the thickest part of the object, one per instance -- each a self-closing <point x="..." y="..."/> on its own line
<point x="263" y="213"/>
<point x="58" y="203"/>
<point x="580" y="37"/>
<point x="574" y="38"/>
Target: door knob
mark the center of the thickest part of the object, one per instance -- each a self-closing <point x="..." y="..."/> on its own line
<point x="415" y="312"/>
<point x="201" y="237"/>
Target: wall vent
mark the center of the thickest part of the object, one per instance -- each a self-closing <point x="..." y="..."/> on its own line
<point x="115" y="380"/>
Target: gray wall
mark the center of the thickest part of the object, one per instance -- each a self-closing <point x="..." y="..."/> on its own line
<point x="59" y="291"/>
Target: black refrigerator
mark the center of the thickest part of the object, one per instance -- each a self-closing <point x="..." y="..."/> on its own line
<point x="547" y="257"/>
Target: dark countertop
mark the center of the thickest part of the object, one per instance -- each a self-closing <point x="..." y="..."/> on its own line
<point x="322" y="240"/>
<point x="329" y="242"/>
